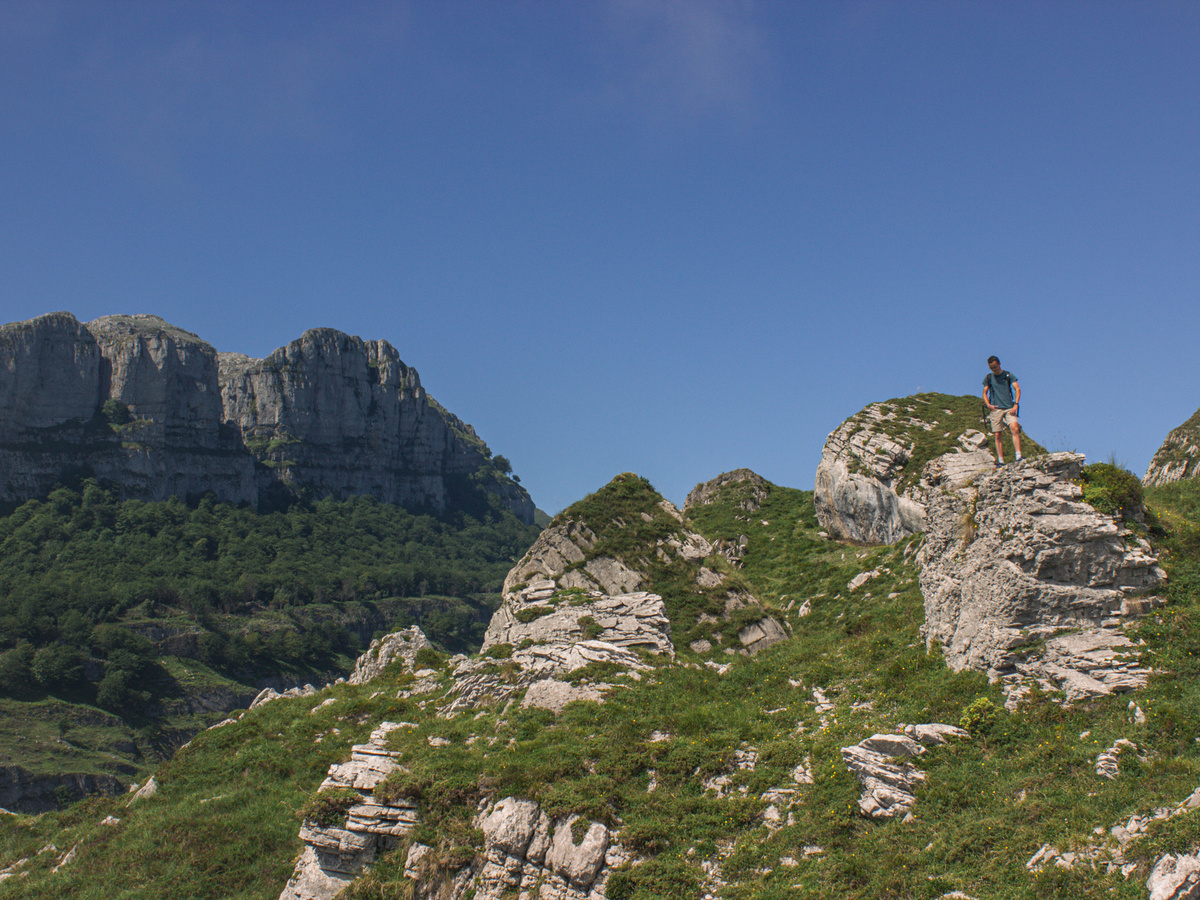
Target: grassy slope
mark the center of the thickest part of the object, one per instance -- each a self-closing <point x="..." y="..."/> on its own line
<point x="987" y="806"/>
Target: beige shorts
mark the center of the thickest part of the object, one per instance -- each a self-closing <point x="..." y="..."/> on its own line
<point x="1000" y="417"/>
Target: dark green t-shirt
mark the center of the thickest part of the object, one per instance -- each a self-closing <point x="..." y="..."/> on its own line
<point x="1000" y="388"/>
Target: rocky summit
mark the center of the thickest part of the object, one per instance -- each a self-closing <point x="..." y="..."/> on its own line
<point x="137" y="402"/>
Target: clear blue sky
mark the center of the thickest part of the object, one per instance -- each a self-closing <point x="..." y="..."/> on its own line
<point x="674" y="237"/>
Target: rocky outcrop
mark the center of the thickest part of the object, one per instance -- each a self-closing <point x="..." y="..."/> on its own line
<point x="575" y="555"/>
<point x="544" y="615"/>
<point x="542" y="634"/>
<point x="880" y="763"/>
<point x="858" y="478"/>
<point x="752" y="490"/>
<point x="158" y="412"/>
<point x="403" y="645"/>
<point x="335" y="854"/>
<point x="22" y="791"/>
<point x="1179" y="455"/>
<point x="1024" y="581"/>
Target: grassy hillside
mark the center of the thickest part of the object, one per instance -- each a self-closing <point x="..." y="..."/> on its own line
<point x="224" y="823"/>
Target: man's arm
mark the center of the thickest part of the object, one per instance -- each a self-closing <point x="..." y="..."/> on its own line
<point x="986" y="401"/>
<point x="1016" y="394"/>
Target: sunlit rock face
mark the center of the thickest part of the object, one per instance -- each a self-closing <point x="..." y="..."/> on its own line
<point x="1178" y="457"/>
<point x="855" y="490"/>
<point x="1026" y="582"/>
<point x="158" y="412"/>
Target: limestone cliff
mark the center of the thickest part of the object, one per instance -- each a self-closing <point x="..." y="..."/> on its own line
<point x="1178" y="457"/>
<point x="157" y="411"/>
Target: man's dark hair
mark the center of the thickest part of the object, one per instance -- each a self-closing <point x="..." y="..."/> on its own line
<point x="993" y="359"/>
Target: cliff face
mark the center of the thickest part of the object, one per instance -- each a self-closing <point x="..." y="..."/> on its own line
<point x="156" y="410"/>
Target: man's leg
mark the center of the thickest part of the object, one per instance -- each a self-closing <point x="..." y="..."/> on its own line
<point x="1015" y="426"/>
<point x="999" y="448"/>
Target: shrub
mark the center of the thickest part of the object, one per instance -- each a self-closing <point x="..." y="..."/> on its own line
<point x="979" y="716"/>
<point x="529" y="613"/>
<point x="1112" y="490"/>
<point x="328" y="808"/>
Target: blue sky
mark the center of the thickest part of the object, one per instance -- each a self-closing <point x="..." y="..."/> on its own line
<point x="674" y="237"/>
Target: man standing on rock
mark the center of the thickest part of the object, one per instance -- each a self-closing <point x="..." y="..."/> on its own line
<point x="1002" y="397"/>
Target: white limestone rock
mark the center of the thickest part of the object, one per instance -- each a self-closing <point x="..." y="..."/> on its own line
<point x="146" y="791"/>
<point x="855" y="487"/>
<point x="335" y="855"/>
<point x="1175" y="878"/>
<point x="403" y="645"/>
<point x="1013" y="557"/>
<point x="880" y="763"/>
<point x="626" y="620"/>
<point x="555" y="695"/>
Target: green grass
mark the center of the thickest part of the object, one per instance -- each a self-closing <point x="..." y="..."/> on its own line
<point x="225" y="822"/>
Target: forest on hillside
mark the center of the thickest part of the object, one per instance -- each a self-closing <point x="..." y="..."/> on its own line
<point x="94" y="589"/>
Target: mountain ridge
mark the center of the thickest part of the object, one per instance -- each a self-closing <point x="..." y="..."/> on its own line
<point x="157" y="411"/>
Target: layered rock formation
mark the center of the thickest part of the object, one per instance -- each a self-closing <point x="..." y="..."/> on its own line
<point x="621" y="556"/>
<point x="1024" y="581"/>
<point x="337" y="853"/>
<point x="1179" y="455"/>
<point x="881" y="765"/>
<point x="157" y="411"/>
<point x="867" y="484"/>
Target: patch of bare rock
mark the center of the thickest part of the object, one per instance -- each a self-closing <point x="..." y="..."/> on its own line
<point x="1026" y="582"/>
<point x="881" y="765"/>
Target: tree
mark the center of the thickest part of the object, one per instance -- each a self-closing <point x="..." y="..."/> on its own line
<point x="16" y="670"/>
<point x="58" y="666"/>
